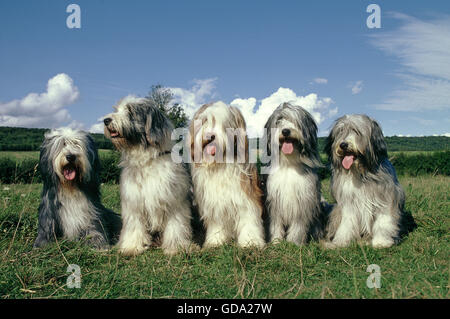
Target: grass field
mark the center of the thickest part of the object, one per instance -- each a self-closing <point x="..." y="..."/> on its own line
<point x="418" y="268"/>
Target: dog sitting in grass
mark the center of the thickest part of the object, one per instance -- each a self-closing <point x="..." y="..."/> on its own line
<point x="70" y="207"/>
<point x="293" y="186"/>
<point x="370" y="200"/>
<point x="154" y="190"/>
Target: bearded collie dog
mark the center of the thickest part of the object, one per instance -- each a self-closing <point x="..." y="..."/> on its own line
<point x="225" y="184"/>
<point x="370" y="200"/>
<point x="70" y="206"/>
<point x="154" y="190"/>
<point x="293" y="195"/>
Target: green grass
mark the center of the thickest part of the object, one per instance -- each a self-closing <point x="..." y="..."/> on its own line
<point x="417" y="268"/>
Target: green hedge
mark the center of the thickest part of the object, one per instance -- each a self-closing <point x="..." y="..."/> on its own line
<point x="26" y="170"/>
<point x="437" y="163"/>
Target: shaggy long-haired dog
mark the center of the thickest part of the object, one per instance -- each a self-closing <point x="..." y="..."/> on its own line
<point x="293" y="188"/>
<point x="154" y="190"/>
<point x="370" y="200"/>
<point x="70" y="206"/>
<point x="225" y="185"/>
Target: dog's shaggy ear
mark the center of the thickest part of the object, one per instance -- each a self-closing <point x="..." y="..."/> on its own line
<point x="241" y="140"/>
<point x="158" y="129"/>
<point x="192" y="139"/>
<point x="267" y="136"/>
<point x="94" y="160"/>
<point x="309" y="131"/>
<point x="377" y="147"/>
<point x="328" y="148"/>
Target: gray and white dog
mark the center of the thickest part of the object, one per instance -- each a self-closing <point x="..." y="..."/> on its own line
<point x="154" y="190"/>
<point x="293" y="187"/>
<point x="70" y="207"/>
<point x="370" y="200"/>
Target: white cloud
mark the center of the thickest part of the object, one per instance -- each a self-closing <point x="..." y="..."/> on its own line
<point x="43" y="109"/>
<point x="320" y="80"/>
<point x="256" y="118"/>
<point x="446" y="134"/>
<point x="423" y="50"/>
<point x="356" y="87"/>
<point x="255" y="112"/>
<point x="401" y="135"/>
<point x="191" y="99"/>
<point x="332" y="112"/>
<point x="97" y="128"/>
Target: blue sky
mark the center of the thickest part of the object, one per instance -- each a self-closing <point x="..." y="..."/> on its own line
<point x="252" y="54"/>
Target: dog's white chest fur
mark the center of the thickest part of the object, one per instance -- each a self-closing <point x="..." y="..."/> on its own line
<point x="358" y="202"/>
<point x="75" y="213"/>
<point x="220" y="192"/>
<point x="287" y="188"/>
<point x="152" y="187"/>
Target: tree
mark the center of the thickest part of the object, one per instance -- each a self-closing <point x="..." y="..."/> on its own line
<point x="162" y="97"/>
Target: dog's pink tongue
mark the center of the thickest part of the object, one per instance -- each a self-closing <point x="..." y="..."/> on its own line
<point x="69" y="174"/>
<point x="347" y="161"/>
<point x="287" y="148"/>
<point x="211" y="149"/>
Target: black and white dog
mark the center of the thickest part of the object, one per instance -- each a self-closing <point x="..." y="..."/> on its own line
<point x="370" y="200"/>
<point x="293" y="186"/>
<point x="154" y="190"/>
<point x="71" y="206"/>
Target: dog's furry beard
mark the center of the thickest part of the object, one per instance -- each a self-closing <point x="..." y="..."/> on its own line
<point x="370" y="201"/>
<point x="154" y="190"/>
<point x="227" y="192"/>
<point x="70" y="205"/>
<point x="293" y="188"/>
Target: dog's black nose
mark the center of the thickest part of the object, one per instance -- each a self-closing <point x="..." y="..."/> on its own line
<point x="107" y="121"/>
<point x="343" y="145"/>
<point x="71" y="158"/>
<point x="211" y="137"/>
<point x="286" y="132"/>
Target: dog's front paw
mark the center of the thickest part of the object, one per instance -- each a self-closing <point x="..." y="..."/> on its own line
<point x="276" y="240"/>
<point x="40" y="242"/>
<point x="131" y="251"/>
<point x="329" y="245"/>
<point x="334" y="244"/>
<point x="187" y="249"/>
<point x="252" y="243"/>
<point x="381" y="242"/>
<point x="97" y="242"/>
<point x="214" y="241"/>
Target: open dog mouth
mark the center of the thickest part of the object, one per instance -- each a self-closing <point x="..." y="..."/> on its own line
<point x="287" y="145"/>
<point x="210" y="148"/>
<point x="69" y="172"/>
<point x="113" y="133"/>
<point x="347" y="159"/>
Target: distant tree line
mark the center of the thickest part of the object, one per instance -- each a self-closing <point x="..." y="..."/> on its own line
<point x="27" y="170"/>
<point x="30" y="139"/>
